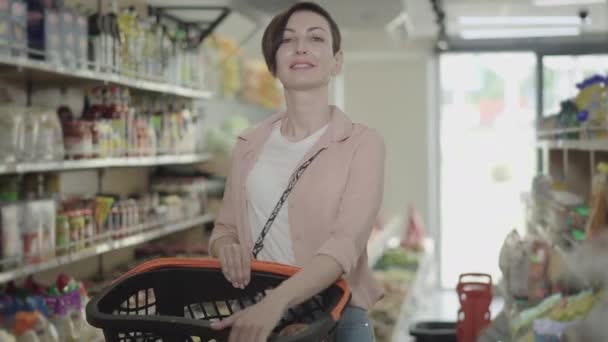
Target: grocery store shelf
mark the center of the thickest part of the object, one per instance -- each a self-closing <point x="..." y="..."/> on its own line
<point x="66" y="165"/>
<point x="385" y="239"/>
<point x="580" y="145"/>
<point x="40" y="70"/>
<point x="105" y="247"/>
<point x="554" y="133"/>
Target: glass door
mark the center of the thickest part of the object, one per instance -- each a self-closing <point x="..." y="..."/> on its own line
<point x="487" y="156"/>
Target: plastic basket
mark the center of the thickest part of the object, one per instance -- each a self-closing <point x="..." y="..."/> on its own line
<point x="176" y="299"/>
<point x="434" y="331"/>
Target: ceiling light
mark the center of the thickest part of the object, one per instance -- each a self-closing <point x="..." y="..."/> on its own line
<point x="567" y="2"/>
<point x="520" y="33"/>
<point x="519" y="20"/>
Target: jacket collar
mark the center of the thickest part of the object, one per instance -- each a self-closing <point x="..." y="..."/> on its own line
<point x="340" y="127"/>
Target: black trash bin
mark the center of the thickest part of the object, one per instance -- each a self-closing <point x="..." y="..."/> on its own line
<point x="434" y="331"/>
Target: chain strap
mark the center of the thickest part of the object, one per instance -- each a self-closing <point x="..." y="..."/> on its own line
<point x="259" y="244"/>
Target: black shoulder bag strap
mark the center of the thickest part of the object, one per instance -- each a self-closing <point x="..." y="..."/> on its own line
<point x="259" y="244"/>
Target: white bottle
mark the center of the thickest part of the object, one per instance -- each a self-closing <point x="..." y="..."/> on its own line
<point x="6" y="337"/>
<point x="64" y="325"/>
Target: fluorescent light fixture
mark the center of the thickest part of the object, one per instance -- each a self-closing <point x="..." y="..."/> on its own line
<point x="519" y="20"/>
<point x="520" y="33"/>
<point x="567" y="2"/>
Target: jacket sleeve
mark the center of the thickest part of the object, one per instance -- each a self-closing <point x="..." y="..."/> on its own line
<point x="225" y="223"/>
<point x="360" y="203"/>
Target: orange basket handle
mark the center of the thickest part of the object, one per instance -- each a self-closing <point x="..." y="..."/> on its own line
<point x="256" y="266"/>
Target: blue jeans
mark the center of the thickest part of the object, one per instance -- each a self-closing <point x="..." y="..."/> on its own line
<point x="355" y="326"/>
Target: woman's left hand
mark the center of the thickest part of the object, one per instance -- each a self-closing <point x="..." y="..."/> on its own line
<point x="254" y="324"/>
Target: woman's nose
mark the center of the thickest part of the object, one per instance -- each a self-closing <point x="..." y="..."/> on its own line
<point x="301" y="48"/>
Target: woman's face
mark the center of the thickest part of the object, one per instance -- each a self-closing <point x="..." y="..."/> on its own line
<point x="305" y="58"/>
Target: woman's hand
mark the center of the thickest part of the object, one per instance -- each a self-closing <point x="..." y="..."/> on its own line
<point x="254" y="324"/>
<point x="236" y="264"/>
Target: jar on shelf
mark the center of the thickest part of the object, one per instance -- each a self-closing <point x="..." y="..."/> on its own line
<point x="78" y="139"/>
<point x="116" y="222"/>
<point x="77" y="227"/>
<point x="89" y="227"/>
<point x="62" y="234"/>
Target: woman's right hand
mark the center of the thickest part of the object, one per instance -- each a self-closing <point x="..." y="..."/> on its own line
<point x="236" y="264"/>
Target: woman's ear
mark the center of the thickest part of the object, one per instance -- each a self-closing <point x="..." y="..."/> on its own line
<point x="339" y="61"/>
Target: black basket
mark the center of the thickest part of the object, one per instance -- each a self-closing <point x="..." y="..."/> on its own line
<point x="434" y="332"/>
<point x="176" y="299"/>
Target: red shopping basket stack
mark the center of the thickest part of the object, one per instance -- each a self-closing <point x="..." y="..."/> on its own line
<point x="176" y="299"/>
<point x="475" y="296"/>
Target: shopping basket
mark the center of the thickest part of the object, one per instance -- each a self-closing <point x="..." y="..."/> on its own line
<point x="176" y="299"/>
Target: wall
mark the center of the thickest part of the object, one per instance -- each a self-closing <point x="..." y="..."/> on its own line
<point x="392" y="88"/>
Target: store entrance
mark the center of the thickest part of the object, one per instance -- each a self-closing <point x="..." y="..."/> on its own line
<point x="487" y="113"/>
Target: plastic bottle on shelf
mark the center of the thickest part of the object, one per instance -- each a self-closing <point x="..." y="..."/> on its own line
<point x="62" y="234"/>
<point x="62" y="321"/>
<point x="77" y="226"/>
<point x="34" y="327"/>
<point x="115" y="221"/>
<point x="11" y="246"/>
<point x="47" y="212"/>
<point x="89" y="227"/>
<point x="30" y="136"/>
<point x="6" y="337"/>
<point x="50" y="140"/>
<point x="31" y="232"/>
<point x="11" y="124"/>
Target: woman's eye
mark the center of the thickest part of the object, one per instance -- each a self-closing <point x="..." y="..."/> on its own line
<point x="318" y="39"/>
<point x="286" y="40"/>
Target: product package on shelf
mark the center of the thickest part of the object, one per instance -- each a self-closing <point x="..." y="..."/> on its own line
<point x="396" y="270"/>
<point x="38" y="224"/>
<point x="598" y="220"/>
<point x="55" y="313"/>
<point x="260" y="87"/>
<point x="44" y="31"/>
<point x="556" y="213"/>
<point x="13" y="27"/>
<point x="555" y="275"/>
<point x="230" y="66"/>
<point x="583" y="117"/>
<point x="114" y="125"/>
<point x="126" y="42"/>
<point x="17" y="27"/>
<point x="30" y="134"/>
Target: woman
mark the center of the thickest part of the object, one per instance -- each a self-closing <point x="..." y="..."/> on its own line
<point x="324" y="226"/>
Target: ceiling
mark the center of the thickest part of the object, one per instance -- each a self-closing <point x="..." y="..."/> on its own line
<point x="366" y="15"/>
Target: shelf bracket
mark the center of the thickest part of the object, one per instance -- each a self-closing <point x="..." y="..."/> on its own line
<point x="205" y="27"/>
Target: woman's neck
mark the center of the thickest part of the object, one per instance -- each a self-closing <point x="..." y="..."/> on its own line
<point x="307" y="112"/>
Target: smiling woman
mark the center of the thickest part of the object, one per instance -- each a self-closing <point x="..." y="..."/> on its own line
<point x="327" y="170"/>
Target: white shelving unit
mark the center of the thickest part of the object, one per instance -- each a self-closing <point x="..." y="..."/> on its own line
<point x="43" y="69"/>
<point x="580" y="145"/>
<point x="142" y="236"/>
<point x="573" y="161"/>
<point x="67" y="165"/>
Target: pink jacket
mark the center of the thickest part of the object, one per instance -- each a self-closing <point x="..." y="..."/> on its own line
<point x="333" y="206"/>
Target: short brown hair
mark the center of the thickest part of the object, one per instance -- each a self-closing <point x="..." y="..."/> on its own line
<point x="274" y="32"/>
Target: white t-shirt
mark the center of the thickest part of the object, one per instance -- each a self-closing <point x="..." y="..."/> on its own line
<point x="266" y="183"/>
